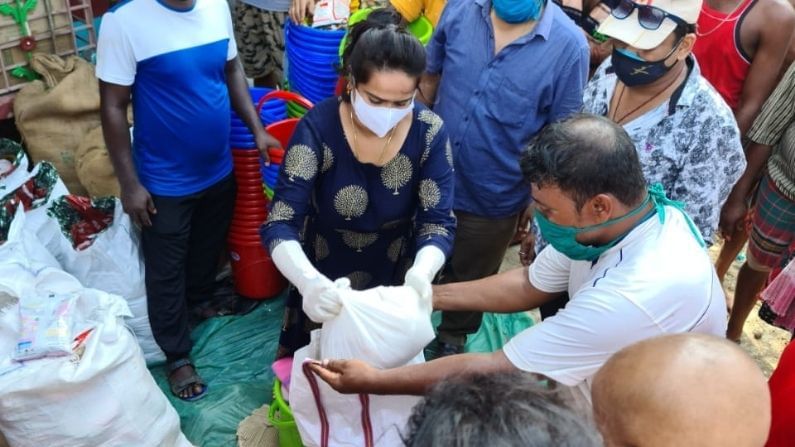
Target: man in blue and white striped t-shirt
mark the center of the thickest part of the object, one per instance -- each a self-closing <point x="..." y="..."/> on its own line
<point x="176" y="60"/>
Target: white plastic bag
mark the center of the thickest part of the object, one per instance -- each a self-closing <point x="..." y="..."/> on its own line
<point x="20" y="246"/>
<point x="385" y="326"/>
<point x="109" y="260"/>
<point x="107" y="397"/>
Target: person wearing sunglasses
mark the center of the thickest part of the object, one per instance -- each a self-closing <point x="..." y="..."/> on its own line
<point x="588" y="15"/>
<point x="685" y="134"/>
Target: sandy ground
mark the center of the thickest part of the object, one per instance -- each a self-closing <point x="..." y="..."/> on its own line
<point x="762" y="341"/>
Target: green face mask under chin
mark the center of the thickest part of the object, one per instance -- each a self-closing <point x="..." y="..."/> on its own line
<point x="564" y="239"/>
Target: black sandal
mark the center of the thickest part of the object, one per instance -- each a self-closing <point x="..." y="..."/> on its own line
<point x="177" y="387"/>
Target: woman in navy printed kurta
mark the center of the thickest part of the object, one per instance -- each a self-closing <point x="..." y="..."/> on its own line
<point x="359" y="220"/>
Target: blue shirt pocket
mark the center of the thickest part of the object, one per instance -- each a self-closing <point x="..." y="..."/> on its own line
<point x="510" y="105"/>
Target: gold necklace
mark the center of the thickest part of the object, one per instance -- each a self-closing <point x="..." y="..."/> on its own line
<point x="355" y="140"/>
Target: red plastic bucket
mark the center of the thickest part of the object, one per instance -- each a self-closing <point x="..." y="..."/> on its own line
<point x="247" y="163"/>
<point x="245" y="156"/>
<point x="245" y="210"/>
<point x="245" y="234"/>
<point x="245" y="229"/>
<point x="248" y="228"/>
<point x="250" y="188"/>
<point x="250" y="211"/>
<point x="247" y="166"/>
<point x="250" y="185"/>
<point x="254" y="222"/>
<point x="247" y="207"/>
<point x="252" y="203"/>
<point x="255" y="274"/>
<point x="245" y="238"/>
<point x="239" y="154"/>
<point x="238" y="159"/>
<point x="283" y="130"/>
<point x="249" y="175"/>
<point x="247" y="172"/>
<point x="247" y="217"/>
<point x="255" y="198"/>
<point x="249" y="178"/>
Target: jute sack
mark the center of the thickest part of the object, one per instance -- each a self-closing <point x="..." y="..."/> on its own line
<point x="94" y="168"/>
<point x="53" y="115"/>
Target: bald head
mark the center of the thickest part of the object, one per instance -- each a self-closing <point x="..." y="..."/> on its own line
<point x="688" y="389"/>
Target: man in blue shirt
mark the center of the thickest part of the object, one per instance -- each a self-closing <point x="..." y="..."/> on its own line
<point x="498" y="71"/>
<point x="177" y="61"/>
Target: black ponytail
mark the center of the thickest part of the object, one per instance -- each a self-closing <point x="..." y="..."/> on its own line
<point x="381" y="42"/>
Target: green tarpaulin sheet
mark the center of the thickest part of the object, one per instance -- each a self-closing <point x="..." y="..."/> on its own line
<point x="234" y="354"/>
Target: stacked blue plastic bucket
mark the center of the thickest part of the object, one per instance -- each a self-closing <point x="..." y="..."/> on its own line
<point x="240" y="136"/>
<point x="312" y="59"/>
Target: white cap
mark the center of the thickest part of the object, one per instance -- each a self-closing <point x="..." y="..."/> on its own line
<point x="629" y="31"/>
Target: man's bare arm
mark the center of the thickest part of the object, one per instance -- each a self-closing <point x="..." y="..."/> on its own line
<point x="355" y="376"/>
<point x="429" y="83"/>
<point x="505" y="292"/>
<point x="241" y="103"/>
<point x="135" y="199"/>
<point x="774" y="42"/>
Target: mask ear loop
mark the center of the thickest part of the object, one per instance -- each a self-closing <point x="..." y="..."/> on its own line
<point x="663" y="59"/>
<point x="673" y="50"/>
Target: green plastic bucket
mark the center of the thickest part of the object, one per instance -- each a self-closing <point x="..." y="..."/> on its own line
<point x="295" y="111"/>
<point x="281" y="417"/>
<point x="422" y="28"/>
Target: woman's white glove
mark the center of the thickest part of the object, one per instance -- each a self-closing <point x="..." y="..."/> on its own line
<point x="427" y="263"/>
<point x="321" y="296"/>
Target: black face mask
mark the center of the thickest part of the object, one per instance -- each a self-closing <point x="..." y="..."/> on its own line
<point x="632" y="70"/>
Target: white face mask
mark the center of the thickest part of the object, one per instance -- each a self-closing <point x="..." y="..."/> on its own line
<point x="380" y="120"/>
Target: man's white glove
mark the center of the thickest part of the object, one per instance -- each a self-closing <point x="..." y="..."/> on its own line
<point x="321" y="296"/>
<point x="426" y="264"/>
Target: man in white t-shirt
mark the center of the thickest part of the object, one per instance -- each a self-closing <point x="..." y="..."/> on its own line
<point x="631" y="260"/>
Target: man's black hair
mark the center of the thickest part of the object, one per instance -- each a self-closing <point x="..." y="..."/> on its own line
<point x="497" y="410"/>
<point x="585" y="155"/>
<point x="683" y="30"/>
<point x="381" y="42"/>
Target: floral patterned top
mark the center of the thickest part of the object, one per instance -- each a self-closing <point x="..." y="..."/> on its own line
<point x="356" y="219"/>
<point x="690" y="144"/>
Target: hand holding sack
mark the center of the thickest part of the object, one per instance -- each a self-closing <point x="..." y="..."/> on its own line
<point x="385" y="326"/>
